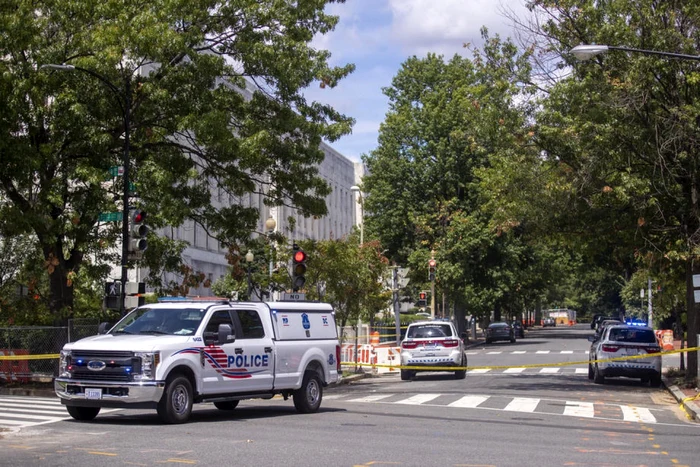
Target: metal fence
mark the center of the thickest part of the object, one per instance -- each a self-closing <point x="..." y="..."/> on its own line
<point x="43" y="344"/>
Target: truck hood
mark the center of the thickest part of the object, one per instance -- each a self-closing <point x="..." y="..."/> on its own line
<point x="131" y="342"/>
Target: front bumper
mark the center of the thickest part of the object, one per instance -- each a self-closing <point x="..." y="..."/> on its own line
<point x="114" y="394"/>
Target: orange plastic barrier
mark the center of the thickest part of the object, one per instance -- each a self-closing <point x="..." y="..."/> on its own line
<point x="14" y="370"/>
<point x="667" y="339"/>
<point x="374" y="338"/>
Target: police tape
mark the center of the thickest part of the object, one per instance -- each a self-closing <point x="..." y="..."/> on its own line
<point x="28" y="357"/>
<point x="504" y="367"/>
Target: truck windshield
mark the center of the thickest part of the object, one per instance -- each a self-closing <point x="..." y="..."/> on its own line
<point x="179" y="322"/>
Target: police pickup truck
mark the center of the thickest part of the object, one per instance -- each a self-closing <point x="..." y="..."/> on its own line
<point x="172" y="354"/>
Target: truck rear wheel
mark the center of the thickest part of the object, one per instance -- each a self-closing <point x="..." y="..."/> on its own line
<point x="307" y="399"/>
<point x="83" y="414"/>
<point x="176" y="404"/>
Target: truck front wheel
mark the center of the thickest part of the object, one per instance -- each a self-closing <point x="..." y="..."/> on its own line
<point x="307" y="398"/>
<point x="83" y="414"/>
<point x="176" y="404"/>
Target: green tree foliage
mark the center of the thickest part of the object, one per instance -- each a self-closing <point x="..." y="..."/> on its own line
<point x="213" y="92"/>
<point x="446" y="120"/>
<point x="621" y="132"/>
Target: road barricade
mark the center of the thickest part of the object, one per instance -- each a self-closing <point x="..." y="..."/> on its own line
<point x="14" y="370"/>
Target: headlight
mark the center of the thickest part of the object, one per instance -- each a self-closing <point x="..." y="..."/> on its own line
<point x="149" y="365"/>
<point x="64" y="364"/>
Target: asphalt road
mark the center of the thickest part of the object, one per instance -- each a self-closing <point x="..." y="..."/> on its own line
<point x="497" y="416"/>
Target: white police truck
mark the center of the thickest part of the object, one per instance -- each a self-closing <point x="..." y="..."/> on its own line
<point x="172" y="354"/>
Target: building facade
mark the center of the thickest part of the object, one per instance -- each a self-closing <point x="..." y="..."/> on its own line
<point x="205" y="254"/>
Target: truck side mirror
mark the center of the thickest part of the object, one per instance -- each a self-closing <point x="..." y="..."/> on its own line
<point x="103" y="328"/>
<point x="226" y="334"/>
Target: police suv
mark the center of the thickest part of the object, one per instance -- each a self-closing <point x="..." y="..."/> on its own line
<point x="172" y="354"/>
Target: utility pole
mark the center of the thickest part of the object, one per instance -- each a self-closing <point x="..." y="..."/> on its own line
<point x="395" y="299"/>
<point x="431" y="277"/>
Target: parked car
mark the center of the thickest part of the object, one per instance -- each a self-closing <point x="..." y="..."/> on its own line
<point x="621" y="340"/>
<point x="604" y="324"/>
<point x="434" y="345"/>
<point x="549" y="322"/>
<point x="518" y="329"/>
<point x="499" y="332"/>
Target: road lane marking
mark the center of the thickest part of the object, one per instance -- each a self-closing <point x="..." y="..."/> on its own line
<point x="522" y="404"/>
<point x="637" y="414"/>
<point x="514" y="370"/>
<point x="372" y="398"/>
<point x="468" y="401"/>
<point x="550" y="370"/>
<point x="418" y="399"/>
<point x="542" y="351"/>
<point x="579" y="409"/>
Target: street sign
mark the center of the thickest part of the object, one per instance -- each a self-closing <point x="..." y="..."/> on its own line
<point x="110" y="216"/>
<point x="296" y="296"/>
<point x="116" y="170"/>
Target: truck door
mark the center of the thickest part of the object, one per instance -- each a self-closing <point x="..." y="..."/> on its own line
<point x="214" y="356"/>
<point x="253" y="352"/>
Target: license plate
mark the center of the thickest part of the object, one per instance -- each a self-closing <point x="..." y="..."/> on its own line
<point x="93" y="393"/>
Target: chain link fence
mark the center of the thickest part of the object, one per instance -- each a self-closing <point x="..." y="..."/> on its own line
<point x="42" y="344"/>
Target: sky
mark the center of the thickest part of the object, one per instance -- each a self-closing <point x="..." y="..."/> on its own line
<point x="379" y="35"/>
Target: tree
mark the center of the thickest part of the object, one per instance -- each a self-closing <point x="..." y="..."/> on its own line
<point x="622" y="131"/>
<point x="445" y="120"/>
<point x="215" y="105"/>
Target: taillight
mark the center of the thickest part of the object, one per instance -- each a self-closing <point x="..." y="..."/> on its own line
<point x="611" y="348"/>
<point x="652" y="349"/>
<point x="409" y="345"/>
<point x="337" y="358"/>
<point x="450" y="343"/>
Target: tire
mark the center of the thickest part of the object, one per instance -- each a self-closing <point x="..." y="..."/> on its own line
<point x="406" y="375"/>
<point x="655" y="381"/>
<point x="590" y="371"/>
<point x="176" y="404"/>
<point x="83" y="414"/>
<point x="598" y="377"/>
<point x="307" y="399"/>
<point x="226" y="405"/>
<point x="645" y="380"/>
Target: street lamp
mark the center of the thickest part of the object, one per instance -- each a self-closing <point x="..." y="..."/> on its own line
<point x="356" y="189"/>
<point x="249" y="257"/>
<point x="125" y="107"/>
<point x="270" y="225"/>
<point x="585" y="52"/>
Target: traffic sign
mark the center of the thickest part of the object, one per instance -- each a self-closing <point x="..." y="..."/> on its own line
<point x="293" y="296"/>
<point x="109" y="216"/>
<point x="116" y="170"/>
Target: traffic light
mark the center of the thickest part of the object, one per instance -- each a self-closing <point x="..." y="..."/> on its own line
<point x="431" y="269"/>
<point x="422" y="299"/>
<point x="137" y="231"/>
<point x="298" y="268"/>
<point x="134" y="295"/>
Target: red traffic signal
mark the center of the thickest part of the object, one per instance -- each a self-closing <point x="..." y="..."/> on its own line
<point x="299" y="256"/>
<point x="298" y="268"/>
<point x="422" y="296"/>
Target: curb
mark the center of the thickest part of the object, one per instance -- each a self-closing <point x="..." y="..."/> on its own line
<point x="691" y="407"/>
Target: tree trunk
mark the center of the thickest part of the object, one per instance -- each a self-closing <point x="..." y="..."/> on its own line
<point x="460" y="313"/>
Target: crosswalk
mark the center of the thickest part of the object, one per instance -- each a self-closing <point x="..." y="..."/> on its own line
<point x="580" y="409"/>
<point x="522" y="352"/>
<point x="19" y="412"/>
<point x="549" y="371"/>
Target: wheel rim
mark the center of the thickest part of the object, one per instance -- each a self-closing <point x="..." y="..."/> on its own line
<point x="312" y="392"/>
<point x="180" y="400"/>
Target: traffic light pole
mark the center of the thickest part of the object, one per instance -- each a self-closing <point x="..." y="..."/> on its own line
<point x="395" y="298"/>
<point x="125" y="200"/>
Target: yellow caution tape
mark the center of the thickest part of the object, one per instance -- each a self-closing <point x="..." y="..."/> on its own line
<point x="28" y="357"/>
<point x="682" y="405"/>
<point x="501" y="367"/>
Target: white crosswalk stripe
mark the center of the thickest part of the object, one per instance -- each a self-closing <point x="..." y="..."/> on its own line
<point x="25" y="411"/>
<point x="579" y="409"/>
